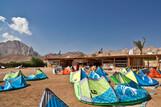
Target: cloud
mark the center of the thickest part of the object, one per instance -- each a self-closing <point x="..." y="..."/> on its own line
<point x="13" y="31"/>
<point x="20" y="25"/>
<point x="9" y="37"/>
<point x="2" y="18"/>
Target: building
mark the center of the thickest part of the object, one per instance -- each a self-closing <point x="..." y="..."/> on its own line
<point x="133" y="61"/>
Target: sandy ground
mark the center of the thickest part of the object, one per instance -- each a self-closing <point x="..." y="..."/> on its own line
<point x="59" y="84"/>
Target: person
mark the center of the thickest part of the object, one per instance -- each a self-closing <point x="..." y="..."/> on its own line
<point x="57" y="69"/>
<point x="93" y="68"/>
<point x="54" y="70"/>
<point x="75" y="67"/>
<point x="87" y="69"/>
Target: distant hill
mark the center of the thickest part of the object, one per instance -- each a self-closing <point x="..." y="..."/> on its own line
<point x="74" y="54"/>
<point x="65" y="55"/>
<point x="16" y="48"/>
<point x="14" y="58"/>
<point x="16" y="51"/>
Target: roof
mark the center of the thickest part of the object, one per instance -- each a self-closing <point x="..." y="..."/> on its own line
<point x="100" y="57"/>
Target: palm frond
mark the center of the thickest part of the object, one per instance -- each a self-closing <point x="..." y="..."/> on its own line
<point x="140" y="44"/>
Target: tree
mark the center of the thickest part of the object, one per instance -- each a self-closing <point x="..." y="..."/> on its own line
<point x="140" y="44"/>
<point x="36" y="62"/>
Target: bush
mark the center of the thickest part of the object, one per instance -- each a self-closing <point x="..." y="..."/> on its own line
<point x="35" y="62"/>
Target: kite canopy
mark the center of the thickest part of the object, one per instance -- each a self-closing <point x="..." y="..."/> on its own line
<point x="154" y="73"/>
<point x="93" y="75"/>
<point x="97" y="91"/>
<point x="77" y="76"/>
<point x="67" y="71"/>
<point x="141" y="79"/>
<point x="119" y="78"/>
<point x="13" y="83"/>
<point x="12" y="75"/>
<point x="144" y="80"/>
<point x="38" y="76"/>
<point x="49" y="99"/>
<point x="101" y="72"/>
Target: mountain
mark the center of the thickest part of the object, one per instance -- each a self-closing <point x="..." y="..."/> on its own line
<point x="65" y="55"/>
<point x="73" y="54"/>
<point x="14" y="58"/>
<point x="16" y="48"/>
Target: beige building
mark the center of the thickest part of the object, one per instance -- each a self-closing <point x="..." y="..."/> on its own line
<point x="134" y="61"/>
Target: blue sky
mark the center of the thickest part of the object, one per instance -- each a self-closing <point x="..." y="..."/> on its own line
<point x="85" y="25"/>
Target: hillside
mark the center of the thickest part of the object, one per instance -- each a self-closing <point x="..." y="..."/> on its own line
<point x="14" y="58"/>
<point x="16" y="51"/>
<point x="16" y="48"/>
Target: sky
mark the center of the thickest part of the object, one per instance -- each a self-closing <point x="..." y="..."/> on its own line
<point x="80" y="25"/>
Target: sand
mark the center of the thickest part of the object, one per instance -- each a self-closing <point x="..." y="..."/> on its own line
<point x="59" y="84"/>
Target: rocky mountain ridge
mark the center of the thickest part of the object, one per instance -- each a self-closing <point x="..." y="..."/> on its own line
<point x="16" y="48"/>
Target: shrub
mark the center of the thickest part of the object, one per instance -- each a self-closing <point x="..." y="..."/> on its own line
<point x="35" y="62"/>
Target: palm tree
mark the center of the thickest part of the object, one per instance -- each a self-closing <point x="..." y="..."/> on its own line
<point x="140" y="44"/>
